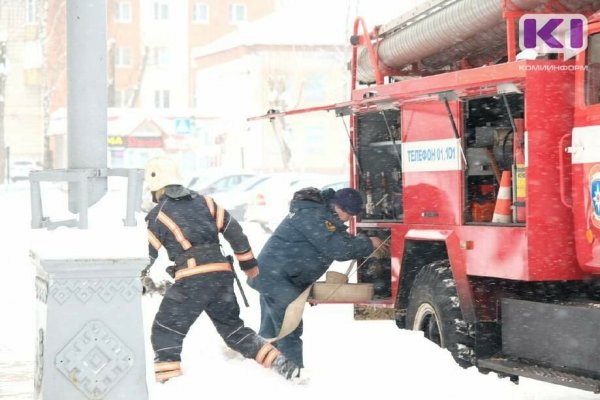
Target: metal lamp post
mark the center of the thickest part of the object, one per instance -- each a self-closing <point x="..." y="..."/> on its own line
<point x="89" y="317"/>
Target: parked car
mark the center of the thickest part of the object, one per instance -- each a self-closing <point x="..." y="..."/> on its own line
<point x="209" y="182"/>
<point x="236" y="199"/>
<point x="20" y="169"/>
<point x="270" y="201"/>
<point x="337" y="185"/>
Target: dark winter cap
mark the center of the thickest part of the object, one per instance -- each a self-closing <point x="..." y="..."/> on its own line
<point x="348" y="200"/>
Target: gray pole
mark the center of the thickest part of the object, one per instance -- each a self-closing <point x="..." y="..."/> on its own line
<point x="90" y="337"/>
<point x="87" y="94"/>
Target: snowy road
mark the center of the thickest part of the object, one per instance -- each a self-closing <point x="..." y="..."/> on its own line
<point x="345" y="359"/>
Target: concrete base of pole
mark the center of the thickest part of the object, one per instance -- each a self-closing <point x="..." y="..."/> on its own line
<point x="90" y="339"/>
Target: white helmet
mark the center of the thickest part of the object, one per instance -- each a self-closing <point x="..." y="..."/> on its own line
<point x="160" y="172"/>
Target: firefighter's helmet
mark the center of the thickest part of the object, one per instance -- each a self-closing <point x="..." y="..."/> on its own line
<point x="160" y="172"/>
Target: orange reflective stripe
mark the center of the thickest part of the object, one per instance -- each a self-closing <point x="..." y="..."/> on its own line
<point x="163" y="371"/>
<point x="220" y="218"/>
<point x="211" y="205"/>
<point x="202" y="269"/>
<point x="262" y="352"/>
<point x="266" y="355"/>
<point x="245" y="256"/>
<point x="191" y="262"/>
<point x="154" y="240"/>
<point x="164" y="376"/>
<point x="175" y="230"/>
<point x="273" y="354"/>
<point x="167" y="366"/>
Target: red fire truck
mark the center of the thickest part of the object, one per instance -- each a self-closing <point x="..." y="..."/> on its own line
<point x="481" y="164"/>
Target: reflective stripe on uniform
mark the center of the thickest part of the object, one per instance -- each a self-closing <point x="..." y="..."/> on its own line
<point x="220" y="219"/>
<point x="266" y="355"/>
<point x="245" y="256"/>
<point x="211" y="205"/>
<point x="175" y="230"/>
<point x="164" y="371"/>
<point x="165" y="376"/>
<point x="202" y="269"/>
<point x="166" y="366"/>
<point x="154" y="240"/>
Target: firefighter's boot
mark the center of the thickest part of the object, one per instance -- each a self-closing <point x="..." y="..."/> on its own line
<point x="286" y="368"/>
<point x="270" y="357"/>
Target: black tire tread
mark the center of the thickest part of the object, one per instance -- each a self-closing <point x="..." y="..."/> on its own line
<point x="435" y="285"/>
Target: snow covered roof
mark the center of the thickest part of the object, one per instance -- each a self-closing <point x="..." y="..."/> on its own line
<point x="296" y="25"/>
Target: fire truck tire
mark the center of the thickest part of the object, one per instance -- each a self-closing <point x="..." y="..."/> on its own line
<point x="433" y="308"/>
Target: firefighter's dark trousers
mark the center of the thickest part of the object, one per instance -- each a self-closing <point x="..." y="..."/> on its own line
<point x="272" y="313"/>
<point x="186" y="300"/>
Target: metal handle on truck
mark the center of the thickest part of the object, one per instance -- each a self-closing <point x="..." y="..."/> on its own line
<point x="561" y="170"/>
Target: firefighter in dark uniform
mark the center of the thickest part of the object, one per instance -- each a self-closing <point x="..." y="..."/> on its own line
<point x="187" y="225"/>
<point x="299" y="251"/>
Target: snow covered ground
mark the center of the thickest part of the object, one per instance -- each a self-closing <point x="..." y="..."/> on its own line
<point x="345" y="359"/>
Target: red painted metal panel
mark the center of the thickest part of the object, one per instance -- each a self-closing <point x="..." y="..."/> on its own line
<point x="473" y="80"/>
<point x="397" y="252"/>
<point x="551" y="253"/>
<point x="499" y="252"/>
<point x="587" y="224"/>
<point x="428" y="121"/>
<point x="431" y="196"/>
<point x="585" y="171"/>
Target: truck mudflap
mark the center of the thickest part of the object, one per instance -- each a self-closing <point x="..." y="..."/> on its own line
<point x="515" y="368"/>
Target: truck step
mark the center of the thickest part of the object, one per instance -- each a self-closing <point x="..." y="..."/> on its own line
<point x="529" y="370"/>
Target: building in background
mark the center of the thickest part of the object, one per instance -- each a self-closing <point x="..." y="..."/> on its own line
<point x="21" y="86"/>
<point x="148" y="55"/>
<point x="292" y="58"/>
<point x="204" y="65"/>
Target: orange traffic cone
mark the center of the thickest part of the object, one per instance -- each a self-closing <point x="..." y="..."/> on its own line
<point x="502" y="211"/>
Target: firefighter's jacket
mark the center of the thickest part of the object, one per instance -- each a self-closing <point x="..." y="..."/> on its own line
<point x="188" y="224"/>
<point x="303" y="246"/>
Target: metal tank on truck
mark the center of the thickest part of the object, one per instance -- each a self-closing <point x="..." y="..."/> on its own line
<point x="480" y="163"/>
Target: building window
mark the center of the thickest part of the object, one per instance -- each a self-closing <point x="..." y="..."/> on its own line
<point x="161" y="99"/>
<point x="200" y="13"/>
<point x="123" y="12"/>
<point x="124" y="98"/>
<point x="159" y="56"/>
<point x="161" y="11"/>
<point x="122" y="57"/>
<point x="30" y="11"/>
<point x="237" y="13"/>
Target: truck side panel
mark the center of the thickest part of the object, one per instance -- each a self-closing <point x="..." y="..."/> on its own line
<point x="431" y="164"/>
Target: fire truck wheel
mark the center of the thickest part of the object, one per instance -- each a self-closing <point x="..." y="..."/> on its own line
<point x="433" y="308"/>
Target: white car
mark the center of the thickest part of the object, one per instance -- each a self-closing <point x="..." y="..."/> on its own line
<point x="270" y="201"/>
<point x="235" y="200"/>
<point x="20" y="169"/>
<point x="209" y="182"/>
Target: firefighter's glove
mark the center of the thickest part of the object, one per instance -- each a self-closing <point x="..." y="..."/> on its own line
<point x="381" y="248"/>
<point x="145" y="278"/>
<point x="145" y="271"/>
<point x="148" y="285"/>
